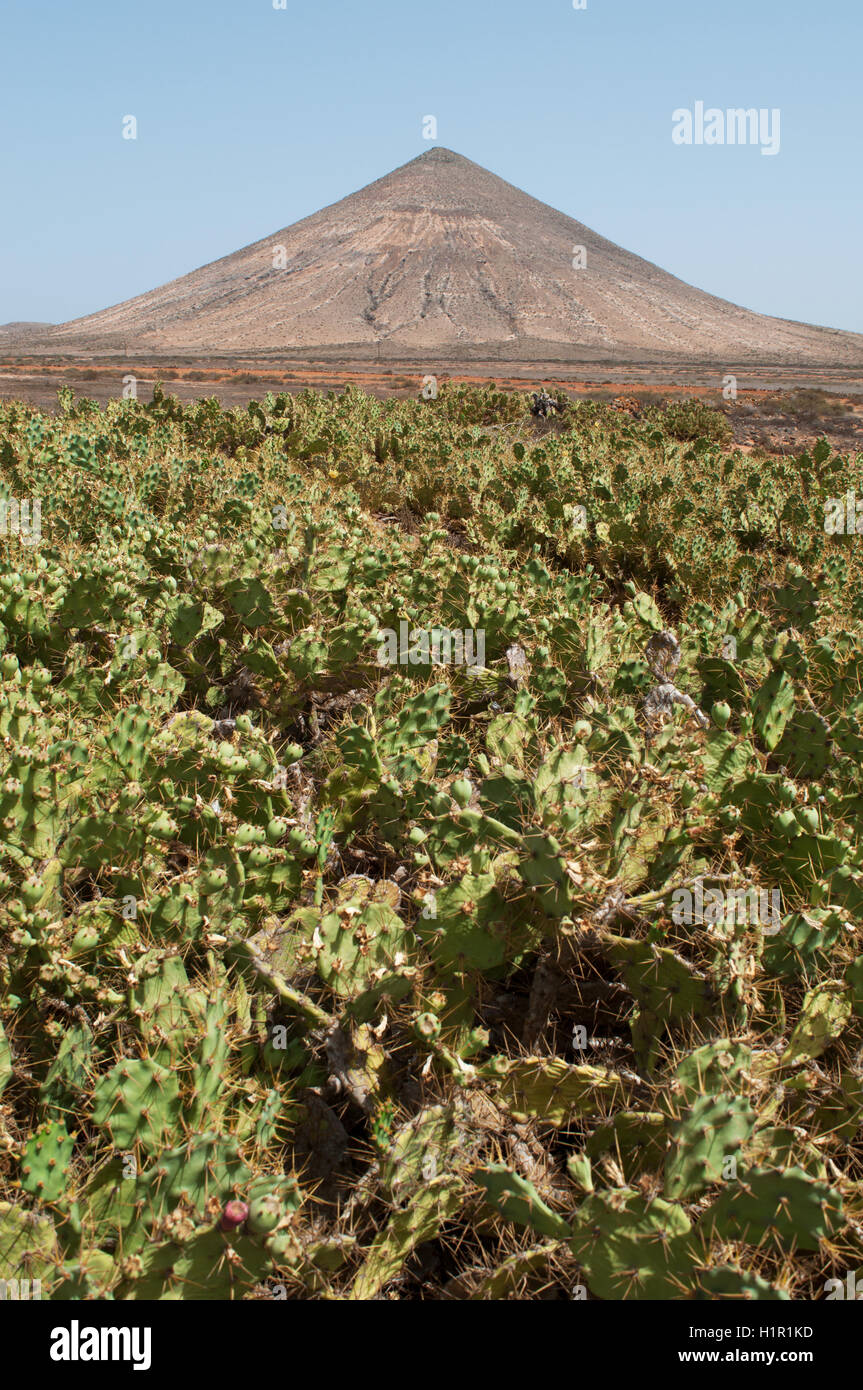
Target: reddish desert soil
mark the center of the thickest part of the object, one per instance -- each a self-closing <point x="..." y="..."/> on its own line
<point x="101" y="376"/>
<point x="776" y="408"/>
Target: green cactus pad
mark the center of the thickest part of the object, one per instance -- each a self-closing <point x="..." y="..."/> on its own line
<point x="517" y="1200"/>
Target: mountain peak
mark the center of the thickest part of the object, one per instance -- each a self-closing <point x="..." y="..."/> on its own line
<point x="439" y="154"/>
<point x="441" y="254"/>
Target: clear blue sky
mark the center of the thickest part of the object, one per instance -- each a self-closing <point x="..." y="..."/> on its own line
<point x="250" y="118"/>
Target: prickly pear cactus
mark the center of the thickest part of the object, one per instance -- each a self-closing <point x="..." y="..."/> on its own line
<point x="517" y="1200"/>
<point x="712" y="1132"/>
<point x="391" y="789"/>
<point x="631" y="1248"/>
<point x="45" y="1162"/>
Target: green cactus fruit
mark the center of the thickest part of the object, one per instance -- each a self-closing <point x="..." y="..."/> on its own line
<point x="270" y="1202"/>
<point x="427" y="1027"/>
<point x="786" y="825"/>
<point x="284" y="1248"/>
<point x="301" y="843"/>
<point x="580" y="1171"/>
<point x="249" y="835"/>
<point x="277" y="829"/>
<point x="808" y="819"/>
<point x="163" y="827"/>
<point x="213" y="880"/>
<point x="721" y="713"/>
<point x="462" y="791"/>
<point x="786" y="793"/>
<point x="264" y="1215"/>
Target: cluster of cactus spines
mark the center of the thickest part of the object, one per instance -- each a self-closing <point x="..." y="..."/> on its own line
<point x="267" y="903"/>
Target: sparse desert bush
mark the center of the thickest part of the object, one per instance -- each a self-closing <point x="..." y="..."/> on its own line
<point x="807" y="403"/>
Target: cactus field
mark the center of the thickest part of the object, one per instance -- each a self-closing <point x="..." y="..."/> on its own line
<point x="336" y="977"/>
